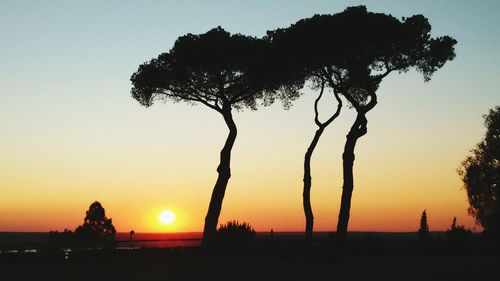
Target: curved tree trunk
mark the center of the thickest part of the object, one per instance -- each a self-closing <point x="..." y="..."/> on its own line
<point x="306" y="194"/>
<point x="358" y="129"/>
<point x="224" y="171"/>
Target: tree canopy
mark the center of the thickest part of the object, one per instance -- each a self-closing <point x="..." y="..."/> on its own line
<point x="216" y="69"/>
<point x="356" y="49"/>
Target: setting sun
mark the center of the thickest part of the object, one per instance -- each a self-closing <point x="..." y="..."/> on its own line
<point x="166" y="217"/>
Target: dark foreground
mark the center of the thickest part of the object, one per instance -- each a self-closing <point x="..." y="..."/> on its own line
<point x="177" y="264"/>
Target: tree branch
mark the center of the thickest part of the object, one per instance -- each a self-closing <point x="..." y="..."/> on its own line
<point x="191" y="97"/>
<point x="316" y="118"/>
<point x="337" y="113"/>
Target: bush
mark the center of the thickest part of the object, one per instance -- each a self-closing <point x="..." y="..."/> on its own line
<point x="235" y="235"/>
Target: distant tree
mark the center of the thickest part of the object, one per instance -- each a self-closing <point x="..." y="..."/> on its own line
<point x="423" y="231"/>
<point x="480" y="174"/>
<point x="60" y="240"/>
<point x="454" y="224"/>
<point x="458" y="233"/>
<point x="235" y="235"/>
<point x="96" y="227"/>
<point x="221" y="71"/>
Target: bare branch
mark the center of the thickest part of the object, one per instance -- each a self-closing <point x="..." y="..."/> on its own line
<point x="337" y="113"/>
<point x="316" y="118"/>
<point x="191" y="97"/>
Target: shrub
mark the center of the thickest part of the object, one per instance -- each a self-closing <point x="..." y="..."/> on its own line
<point x="235" y="235"/>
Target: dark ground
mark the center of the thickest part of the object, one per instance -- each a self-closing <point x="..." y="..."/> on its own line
<point x="369" y="256"/>
<point x="168" y="264"/>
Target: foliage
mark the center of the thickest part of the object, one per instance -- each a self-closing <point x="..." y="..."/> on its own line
<point x="237" y="235"/>
<point x="355" y="49"/>
<point x="96" y="228"/>
<point x="216" y="69"/>
<point x="423" y="232"/>
<point x="480" y="173"/>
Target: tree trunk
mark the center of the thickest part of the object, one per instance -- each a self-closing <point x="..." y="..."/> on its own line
<point x="306" y="195"/>
<point x="224" y="171"/>
<point x="357" y="130"/>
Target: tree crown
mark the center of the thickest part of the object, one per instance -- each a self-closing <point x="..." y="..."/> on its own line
<point x="355" y="49"/>
<point x="216" y="69"/>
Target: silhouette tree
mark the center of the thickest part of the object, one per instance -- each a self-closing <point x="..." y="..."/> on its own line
<point x="423" y="231"/>
<point x="306" y="194"/>
<point x="353" y="51"/>
<point x="480" y="174"/>
<point x="295" y="71"/>
<point x="454" y="224"/>
<point x="372" y="46"/>
<point x="96" y="228"/>
<point x="386" y="45"/>
<point x="221" y="71"/>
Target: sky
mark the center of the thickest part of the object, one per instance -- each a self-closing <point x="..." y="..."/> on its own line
<point x="71" y="134"/>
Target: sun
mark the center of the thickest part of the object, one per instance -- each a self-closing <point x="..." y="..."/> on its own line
<point x="166" y="217"/>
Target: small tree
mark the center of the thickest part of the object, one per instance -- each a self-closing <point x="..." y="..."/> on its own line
<point x="96" y="228"/>
<point x="423" y="232"/>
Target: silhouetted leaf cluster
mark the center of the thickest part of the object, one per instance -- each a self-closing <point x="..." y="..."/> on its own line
<point x="355" y="49"/>
<point x="216" y="69"/>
